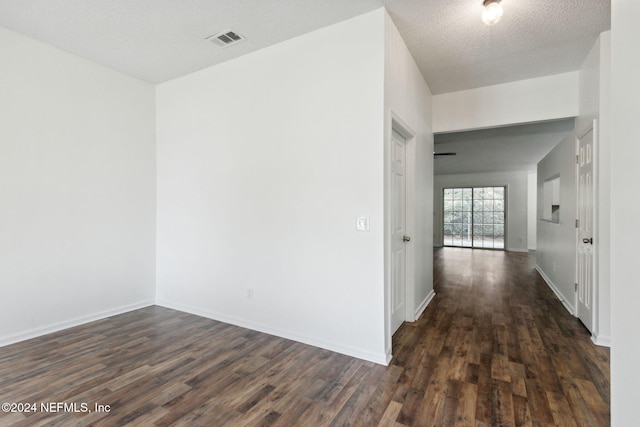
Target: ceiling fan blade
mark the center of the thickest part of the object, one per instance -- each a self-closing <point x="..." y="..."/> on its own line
<point x="444" y="154"/>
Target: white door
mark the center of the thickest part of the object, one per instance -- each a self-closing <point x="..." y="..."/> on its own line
<point x="586" y="253"/>
<point x="398" y="232"/>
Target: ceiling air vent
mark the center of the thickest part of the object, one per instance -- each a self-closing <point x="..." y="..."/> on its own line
<point x="226" y="38"/>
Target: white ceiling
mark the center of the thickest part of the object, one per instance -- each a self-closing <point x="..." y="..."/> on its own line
<point x="158" y="40"/>
<point x="511" y="148"/>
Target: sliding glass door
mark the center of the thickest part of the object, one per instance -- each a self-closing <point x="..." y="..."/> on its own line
<point x="474" y="217"/>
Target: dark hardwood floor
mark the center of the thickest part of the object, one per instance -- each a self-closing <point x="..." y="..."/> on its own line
<point x="494" y="348"/>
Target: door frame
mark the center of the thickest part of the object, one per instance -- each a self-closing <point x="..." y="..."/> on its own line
<point x="592" y="127"/>
<point x="398" y="125"/>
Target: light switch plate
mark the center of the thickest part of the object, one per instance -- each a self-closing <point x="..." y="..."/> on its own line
<point x="362" y="223"/>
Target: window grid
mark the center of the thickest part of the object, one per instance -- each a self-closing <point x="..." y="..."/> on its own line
<point x="474" y="217"/>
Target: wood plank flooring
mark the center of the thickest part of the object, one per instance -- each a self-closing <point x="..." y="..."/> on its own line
<point x="494" y="348"/>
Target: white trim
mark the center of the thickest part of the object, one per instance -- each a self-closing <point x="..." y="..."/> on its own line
<point x="401" y="127"/>
<point x="423" y="305"/>
<point x="382" y="359"/>
<point x="389" y="356"/>
<point x="570" y="308"/>
<point x="518" y="250"/>
<point x="59" y="326"/>
<point x="604" y="341"/>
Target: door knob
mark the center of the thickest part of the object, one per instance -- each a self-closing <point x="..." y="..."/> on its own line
<point x="589" y="240"/>
<point x="406" y="238"/>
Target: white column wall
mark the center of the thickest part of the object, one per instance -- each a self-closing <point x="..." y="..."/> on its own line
<point x="264" y="163"/>
<point x="408" y="99"/>
<point x="624" y="211"/>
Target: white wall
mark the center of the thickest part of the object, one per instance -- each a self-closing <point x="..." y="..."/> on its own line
<point x="556" y="242"/>
<point x="408" y="98"/>
<point x="77" y="190"/>
<point x="264" y="162"/>
<point x="524" y="101"/>
<point x="625" y="211"/>
<point x="532" y="209"/>
<point x="594" y="104"/>
<point x="516" y="183"/>
<point x="589" y="79"/>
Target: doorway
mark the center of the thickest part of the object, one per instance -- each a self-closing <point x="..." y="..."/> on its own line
<point x="474" y="217"/>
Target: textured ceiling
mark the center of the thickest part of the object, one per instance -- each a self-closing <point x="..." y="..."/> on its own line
<point x="157" y="40"/>
<point x="456" y="51"/>
<point x="503" y="149"/>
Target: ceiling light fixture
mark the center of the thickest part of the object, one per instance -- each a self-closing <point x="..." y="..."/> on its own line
<point x="492" y="11"/>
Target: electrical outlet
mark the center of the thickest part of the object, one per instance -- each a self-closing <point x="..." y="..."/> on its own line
<point x="249" y="293"/>
<point x="521" y="239"/>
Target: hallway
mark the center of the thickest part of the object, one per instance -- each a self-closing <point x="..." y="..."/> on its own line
<point x="496" y="347"/>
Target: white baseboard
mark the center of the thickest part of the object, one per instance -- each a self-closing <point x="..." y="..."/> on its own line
<point x="379" y="358"/>
<point x="567" y="304"/>
<point x="517" y="250"/>
<point x="66" y="324"/>
<point x="423" y="306"/>
<point x="604" y="341"/>
<point x="389" y="356"/>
